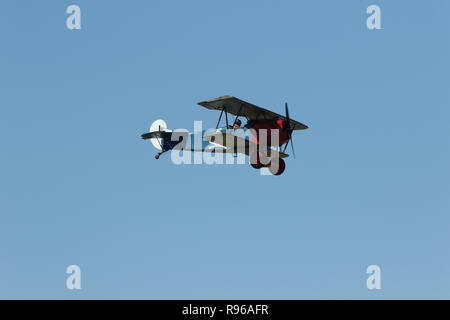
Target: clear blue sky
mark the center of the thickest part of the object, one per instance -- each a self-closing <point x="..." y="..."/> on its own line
<point x="370" y="184"/>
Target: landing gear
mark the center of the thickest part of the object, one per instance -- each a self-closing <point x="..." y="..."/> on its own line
<point x="275" y="166"/>
<point x="256" y="166"/>
<point x="258" y="160"/>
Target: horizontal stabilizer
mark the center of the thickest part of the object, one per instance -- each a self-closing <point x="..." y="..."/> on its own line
<point x="157" y="134"/>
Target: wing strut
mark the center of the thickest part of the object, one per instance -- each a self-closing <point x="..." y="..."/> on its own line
<point x="226" y="116"/>
<point x="220" y="117"/>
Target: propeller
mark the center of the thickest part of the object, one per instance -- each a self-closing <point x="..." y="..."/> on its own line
<point x="289" y="130"/>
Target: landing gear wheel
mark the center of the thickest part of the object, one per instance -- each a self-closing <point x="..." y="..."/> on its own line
<point x="254" y="161"/>
<point x="258" y="160"/>
<point x="159" y="154"/>
<point x="277" y="168"/>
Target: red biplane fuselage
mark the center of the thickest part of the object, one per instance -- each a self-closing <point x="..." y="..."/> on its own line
<point x="269" y="126"/>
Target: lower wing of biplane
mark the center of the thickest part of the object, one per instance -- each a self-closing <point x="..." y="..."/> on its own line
<point x="239" y="141"/>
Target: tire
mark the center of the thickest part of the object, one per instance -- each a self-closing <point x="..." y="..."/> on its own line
<point x="255" y="165"/>
<point x="255" y="161"/>
<point x="276" y="170"/>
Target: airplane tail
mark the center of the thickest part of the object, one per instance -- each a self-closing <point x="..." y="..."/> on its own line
<point x="161" y="137"/>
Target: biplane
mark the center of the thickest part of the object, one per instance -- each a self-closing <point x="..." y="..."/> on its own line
<point x="264" y="138"/>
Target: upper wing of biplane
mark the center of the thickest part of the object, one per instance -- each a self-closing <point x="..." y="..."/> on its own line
<point x="242" y="108"/>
